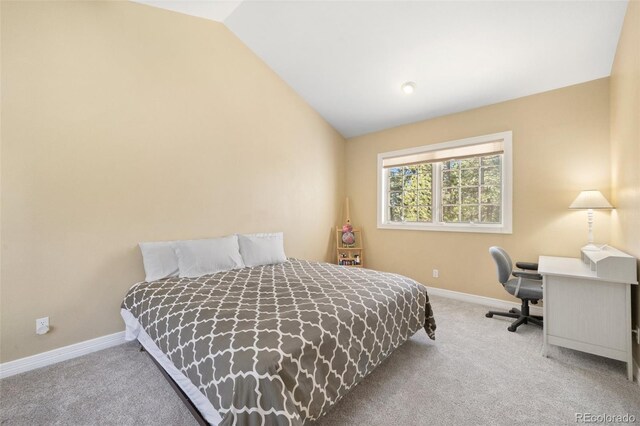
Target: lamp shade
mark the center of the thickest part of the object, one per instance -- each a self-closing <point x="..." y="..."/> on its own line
<point x="590" y="200"/>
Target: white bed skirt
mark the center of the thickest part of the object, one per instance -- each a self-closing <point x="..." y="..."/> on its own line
<point x="135" y="331"/>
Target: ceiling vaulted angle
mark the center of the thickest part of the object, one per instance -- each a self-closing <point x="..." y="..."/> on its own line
<point x="215" y="10"/>
<point x="347" y="59"/>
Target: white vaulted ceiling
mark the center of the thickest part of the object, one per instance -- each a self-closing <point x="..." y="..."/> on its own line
<point x="349" y="59"/>
<point x="209" y="9"/>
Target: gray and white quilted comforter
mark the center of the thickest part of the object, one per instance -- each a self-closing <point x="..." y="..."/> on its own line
<point x="280" y="344"/>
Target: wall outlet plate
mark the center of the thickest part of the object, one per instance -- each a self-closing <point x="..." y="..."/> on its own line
<point x="42" y="325"/>
<point x="436" y="273"/>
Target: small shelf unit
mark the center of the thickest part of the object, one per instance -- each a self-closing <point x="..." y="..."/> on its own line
<point x="609" y="263"/>
<point x="350" y="255"/>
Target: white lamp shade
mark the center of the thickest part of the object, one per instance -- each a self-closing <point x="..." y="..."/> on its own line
<point x="590" y="200"/>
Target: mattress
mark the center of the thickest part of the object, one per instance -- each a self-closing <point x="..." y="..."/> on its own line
<point x="277" y="344"/>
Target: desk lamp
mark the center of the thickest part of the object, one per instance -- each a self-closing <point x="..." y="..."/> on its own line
<point x="590" y="200"/>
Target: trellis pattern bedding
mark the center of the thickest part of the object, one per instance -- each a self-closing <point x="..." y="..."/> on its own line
<point x="280" y="344"/>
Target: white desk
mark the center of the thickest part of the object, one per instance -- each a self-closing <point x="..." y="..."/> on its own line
<point x="587" y="304"/>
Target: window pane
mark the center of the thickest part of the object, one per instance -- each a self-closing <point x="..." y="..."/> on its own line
<point x="424" y="198"/>
<point x="395" y="198"/>
<point x="424" y="177"/>
<point x="406" y="202"/>
<point x="410" y="170"/>
<point x="462" y="195"/>
<point x="450" y="196"/>
<point x="470" y="195"/>
<point x="450" y="178"/>
<point x="411" y="214"/>
<point x="469" y="177"/>
<point x="490" y="214"/>
<point x="395" y="179"/>
<point x="410" y="198"/>
<point x="470" y="163"/>
<point x="491" y="176"/>
<point x="395" y="214"/>
<point x="451" y="165"/>
<point x="424" y="214"/>
<point x="424" y="168"/>
<point x="491" y="160"/>
<point x="410" y="178"/>
<point x="451" y="214"/>
<point x="490" y="195"/>
<point x="469" y="214"/>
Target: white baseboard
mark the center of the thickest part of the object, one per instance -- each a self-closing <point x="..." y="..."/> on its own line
<point x="480" y="300"/>
<point x="61" y="354"/>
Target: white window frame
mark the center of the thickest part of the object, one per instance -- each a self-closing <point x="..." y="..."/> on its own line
<point x="507" y="189"/>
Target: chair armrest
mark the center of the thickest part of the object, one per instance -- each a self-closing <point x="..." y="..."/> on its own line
<point x="529" y="266"/>
<point x="527" y="275"/>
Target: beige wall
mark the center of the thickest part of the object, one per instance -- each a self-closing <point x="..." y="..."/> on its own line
<point x="124" y="123"/>
<point x="625" y="143"/>
<point x="560" y="146"/>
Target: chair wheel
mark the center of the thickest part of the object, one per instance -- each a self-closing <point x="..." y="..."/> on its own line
<point x="489" y="315"/>
<point x="511" y="328"/>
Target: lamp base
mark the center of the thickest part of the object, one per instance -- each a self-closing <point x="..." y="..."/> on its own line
<point x="594" y="247"/>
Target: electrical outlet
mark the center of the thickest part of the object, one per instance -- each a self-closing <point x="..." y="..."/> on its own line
<point x="436" y="273"/>
<point x="42" y="325"/>
<point x="636" y="331"/>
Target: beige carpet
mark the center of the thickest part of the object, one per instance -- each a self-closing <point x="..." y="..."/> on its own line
<point x="475" y="373"/>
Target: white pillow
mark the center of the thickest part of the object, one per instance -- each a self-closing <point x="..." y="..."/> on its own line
<point x="262" y="249"/>
<point x="202" y="257"/>
<point x="159" y="260"/>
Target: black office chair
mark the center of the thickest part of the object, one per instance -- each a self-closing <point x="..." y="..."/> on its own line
<point x="526" y="286"/>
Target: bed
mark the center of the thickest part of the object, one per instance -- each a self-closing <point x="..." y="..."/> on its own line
<point x="274" y="344"/>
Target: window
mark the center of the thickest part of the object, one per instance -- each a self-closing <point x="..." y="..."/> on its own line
<point x="462" y="185"/>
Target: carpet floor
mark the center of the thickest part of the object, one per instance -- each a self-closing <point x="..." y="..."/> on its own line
<point x="475" y="373"/>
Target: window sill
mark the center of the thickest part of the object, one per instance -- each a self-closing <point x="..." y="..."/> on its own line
<point x="481" y="229"/>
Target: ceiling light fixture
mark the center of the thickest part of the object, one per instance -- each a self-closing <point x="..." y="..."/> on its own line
<point x="409" y="87"/>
